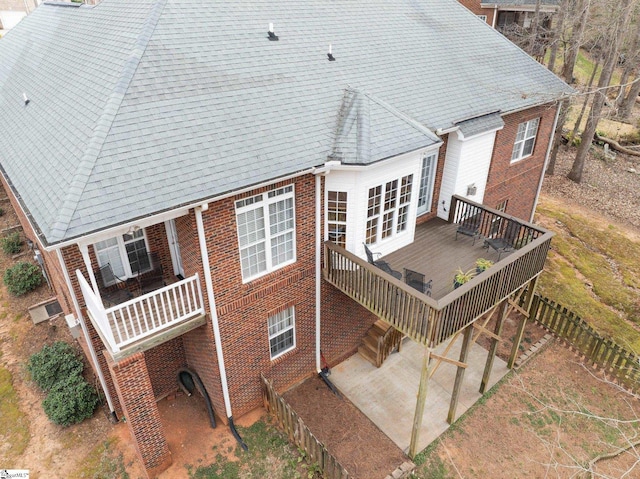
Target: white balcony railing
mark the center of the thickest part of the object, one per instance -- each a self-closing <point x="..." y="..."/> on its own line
<point x="141" y="317"/>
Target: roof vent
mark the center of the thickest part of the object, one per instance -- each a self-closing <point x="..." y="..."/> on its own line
<point x="272" y="36"/>
<point x="26" y="99"/>
<point x="330" y="55"/>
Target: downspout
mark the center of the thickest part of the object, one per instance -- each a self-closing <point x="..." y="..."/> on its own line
<point x="546" y="163"/>
<point x="214" y="318"/>
<point x="87" y="338"/>
<point x="318" y="268"/>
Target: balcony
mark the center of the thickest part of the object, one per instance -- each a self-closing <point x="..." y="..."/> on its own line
<point x="435" y="252"/>
<point x="147" y="320"/>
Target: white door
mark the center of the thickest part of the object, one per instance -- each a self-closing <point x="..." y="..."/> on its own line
<point x="174" y="247"/>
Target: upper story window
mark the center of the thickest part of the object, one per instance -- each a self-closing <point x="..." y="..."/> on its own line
<point x="127" y="254"/>
<point x="282" y="332"/>
<point x="266" y="231"/>
<point x="482" y="17"/>
<point x="525" y="139"/>
<point x="388" y="208"/>
<point x="337" y="217"/>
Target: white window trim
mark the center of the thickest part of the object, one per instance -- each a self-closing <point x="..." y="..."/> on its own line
<point x="122" y="251"/>
<point x="279" y="333"/>
<point x="520" y="144"/>
<point x="483" y="18"/>
<point x="336" y="222"/>
<point x="264" y="204"/>
<point x="429" y="188"/>
<point x="395" y="210"/>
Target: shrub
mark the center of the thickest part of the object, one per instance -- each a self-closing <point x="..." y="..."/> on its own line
<point x="1" y="211"/>
<point x="22" y="278"/>
<point x="53" y="363"/>
<point x="12" y="243"/>
<point x="71" y="400"/>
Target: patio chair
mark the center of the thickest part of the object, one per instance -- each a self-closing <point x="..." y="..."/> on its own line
<point x="380" y="263"/>
<point x="469" y="227"/>
<point x="153" y="278"/>
<point x="416" y="280"/>
<point x="113" y="289"/>
<point x="505" y="242"/>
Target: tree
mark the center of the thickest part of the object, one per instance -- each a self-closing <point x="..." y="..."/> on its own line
<point x="580" y="7"/>
<point x="614" y="36"/>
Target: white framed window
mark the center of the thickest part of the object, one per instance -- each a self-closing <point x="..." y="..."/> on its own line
<point x="127" y="254"/>
<point x="266" y="232"/>
<point x="525" y="139"/>
<point x="337" y="217"/>
<point x="483" y="18"/>
<point x="282" y="332"/>
<point x="427" y="179"/>
<point x="388" y="208"/>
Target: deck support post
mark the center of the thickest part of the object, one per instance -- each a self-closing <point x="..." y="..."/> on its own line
<point x="531" y="289"/>
<point x="464" y="352"/>
<point x="504" y="307"/>
<point x="422" y="396"/>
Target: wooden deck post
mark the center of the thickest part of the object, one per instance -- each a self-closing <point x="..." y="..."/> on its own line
<point x="494" y="345"/>
<point x="531" y="288"/>
<point x="422" y="396"/>
<point x="464" y="351"/>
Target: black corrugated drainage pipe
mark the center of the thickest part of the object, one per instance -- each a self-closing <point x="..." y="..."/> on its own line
<point x="325" y="377"/>
<point x="188" y="380"/>
<point x="236" y="435"/>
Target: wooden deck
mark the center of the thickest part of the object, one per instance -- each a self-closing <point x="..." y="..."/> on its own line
<point x="437" y="254"/>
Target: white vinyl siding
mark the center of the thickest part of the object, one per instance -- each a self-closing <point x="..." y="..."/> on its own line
<point x="282" y="332"/>
<point x="266" y="232"/>
<point x="525" y="139"/>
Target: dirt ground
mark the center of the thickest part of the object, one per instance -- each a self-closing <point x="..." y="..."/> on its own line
<point x="543" y="421"/>
<point x="362" y="449"/>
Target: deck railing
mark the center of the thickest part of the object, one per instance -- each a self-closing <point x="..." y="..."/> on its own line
<point x="141" y="317"/>
<point x="431" y="321"/>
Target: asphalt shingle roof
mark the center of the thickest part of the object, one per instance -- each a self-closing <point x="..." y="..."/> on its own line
<point x="140" y="106"/>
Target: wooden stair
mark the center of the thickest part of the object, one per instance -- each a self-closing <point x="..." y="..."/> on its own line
<point x="380" y="341"/>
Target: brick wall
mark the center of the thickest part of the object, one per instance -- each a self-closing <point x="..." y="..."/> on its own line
<point x="474" y="6"/>
<point x="243" y="309"/>
<point x="518" y="182"/>
<point x="163" y="363"/>
<point x="136" y="395"/>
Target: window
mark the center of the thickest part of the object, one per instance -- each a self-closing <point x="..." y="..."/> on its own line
<point x="266" y="231"/>
<point x="127" y="254"/>
<point x="337" y="217"/>
<point x="525" y="139"/>
<point x="482" y="17"/>
<point x="502" y="206"/>
<point x="388" y="217"/>
<point x="427" y="178"/>
<point x="282" y="332"/>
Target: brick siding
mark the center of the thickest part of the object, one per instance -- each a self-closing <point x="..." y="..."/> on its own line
<point x="163" y="363"/>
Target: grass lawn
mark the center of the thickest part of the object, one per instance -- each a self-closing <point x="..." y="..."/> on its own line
<point x="14" y="433"/>
<point x="593" y="269"/>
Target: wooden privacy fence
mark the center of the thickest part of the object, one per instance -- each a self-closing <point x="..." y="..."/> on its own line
<point x="604" y="352"/>
<point x="300" y="435"/>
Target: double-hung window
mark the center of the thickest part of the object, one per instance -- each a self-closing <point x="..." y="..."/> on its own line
<point x="388" y="209"/>
<point x="525" y="139"/>
<point x="337" y="217"/>
<point x="282" y="332"/>
<point x="127" y="254"/>
<point x="266" y="231"/>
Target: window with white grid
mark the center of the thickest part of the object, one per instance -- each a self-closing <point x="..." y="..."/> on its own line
<point x="337" y="217"/>
<point x="282" y="332"/>
<point x="388" y="209"/>
<point x="525" y="139"/>
<point x="127" y="254"/>
<point x="266" y="231"/>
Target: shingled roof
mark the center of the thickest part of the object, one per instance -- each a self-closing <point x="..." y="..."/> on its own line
<point x="140" y="106"/>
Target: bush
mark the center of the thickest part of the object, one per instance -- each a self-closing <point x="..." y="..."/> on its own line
<point x="71" y="400"/>
<point x="53" y="363"/>
<point x="1" y="211"/>
<point x="12" y="243"/>
<point x="22" y="278"/>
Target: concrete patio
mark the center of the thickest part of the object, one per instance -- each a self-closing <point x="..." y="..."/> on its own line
<point x="387" y="395"/>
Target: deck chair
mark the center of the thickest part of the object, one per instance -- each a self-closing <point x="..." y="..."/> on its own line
<point x="469" y="227"/>
<point x="416" y="281"/>
<point x="505" y="242"/>
<point x="113" y="289"/>
<point x="380" y="263"/>
<point x="153" y="278"/>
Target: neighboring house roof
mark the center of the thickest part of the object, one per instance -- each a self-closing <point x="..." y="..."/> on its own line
<point x="516" y="3"/>
<point x="141" y="106"/>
